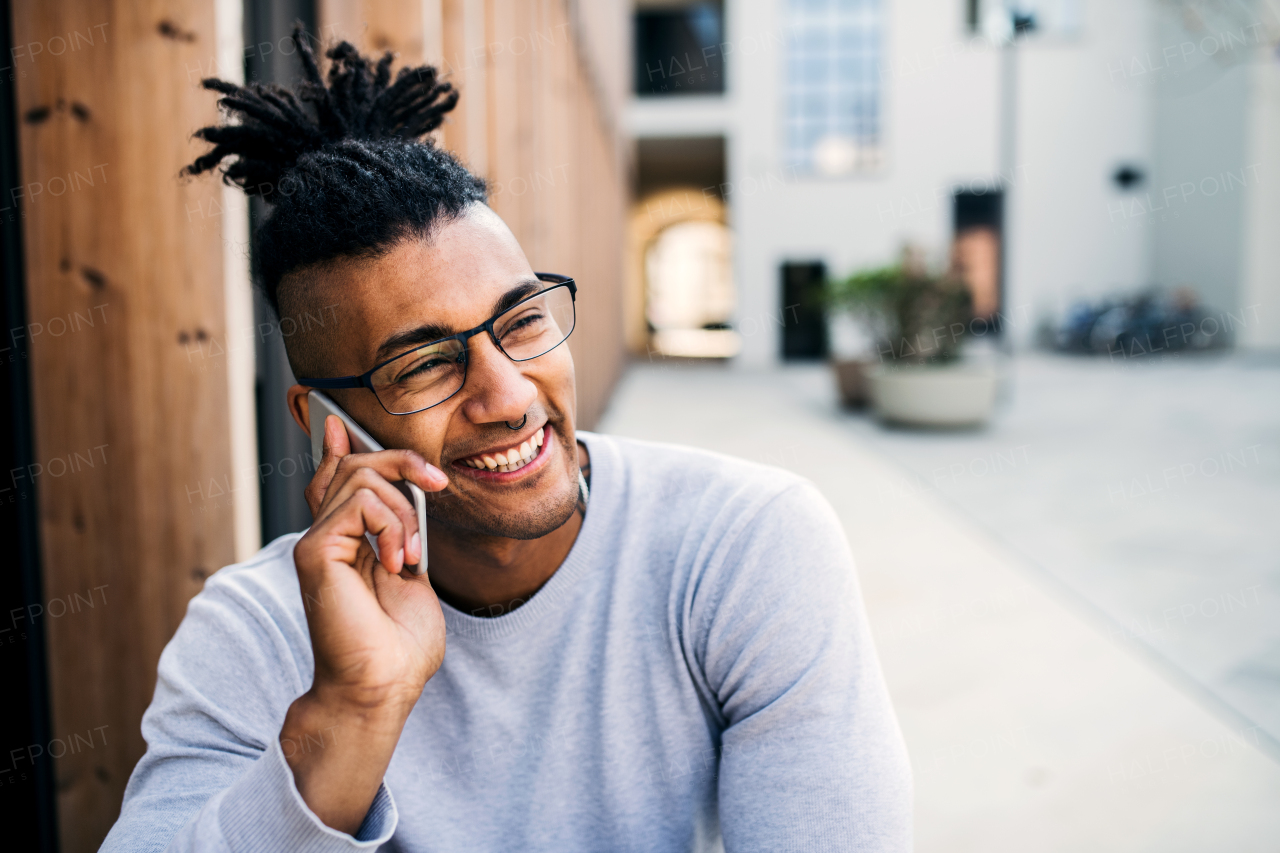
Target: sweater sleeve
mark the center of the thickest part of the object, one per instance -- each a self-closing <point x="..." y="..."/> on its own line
<point x="811" y="758"/>
<point x="214" y="776"/>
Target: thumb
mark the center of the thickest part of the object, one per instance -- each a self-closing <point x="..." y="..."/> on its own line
<point x="334" y="445"/>
<point x="336" y="441"/>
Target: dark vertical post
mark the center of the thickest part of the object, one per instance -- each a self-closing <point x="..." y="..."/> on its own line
<point x="27" y="808"/>
<point x="268" y="25"/>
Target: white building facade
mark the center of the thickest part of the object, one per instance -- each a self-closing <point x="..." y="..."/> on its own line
<point x="1189" y="102"/>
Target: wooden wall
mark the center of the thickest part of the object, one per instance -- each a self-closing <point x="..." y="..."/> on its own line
<point x="125" y="272"/>
<point x="145" y="405"/>
<point x="536" y="122"/>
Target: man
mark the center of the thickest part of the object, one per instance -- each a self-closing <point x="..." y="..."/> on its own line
<point x="618" y="645"/>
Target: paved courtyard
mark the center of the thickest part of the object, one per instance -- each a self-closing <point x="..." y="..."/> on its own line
<point x="1076" y="607"/>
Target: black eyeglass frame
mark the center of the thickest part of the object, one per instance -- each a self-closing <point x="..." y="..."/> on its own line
<point x="365" y="380"/>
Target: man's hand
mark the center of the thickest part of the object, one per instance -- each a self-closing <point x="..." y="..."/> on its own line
<point x="377" y="632"/>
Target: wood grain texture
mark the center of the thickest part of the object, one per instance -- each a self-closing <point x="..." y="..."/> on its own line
<point x="530" y="121"/>
<point x="554" y="159"/>
<point x="143" y="390"/>
<point x="376" y="26"/>
<point x="112" y="233"/>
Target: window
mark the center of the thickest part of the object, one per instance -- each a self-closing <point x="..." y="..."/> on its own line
<point x="1000" y="19"/>
<point x="678" y="48"/>
<point x="833" y="109"/>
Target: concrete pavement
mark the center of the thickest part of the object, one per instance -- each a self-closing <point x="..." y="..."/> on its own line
<point x="1034" y="723"/>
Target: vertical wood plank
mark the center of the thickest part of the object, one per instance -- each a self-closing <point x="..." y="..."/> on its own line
<point x="375" y="26"/>
<point x="452" y="66"/>
<point x="530" y="121"/>
<point x="132" y="411"/>
<point x="340" y="20"/>
<point x="111" y="231"/>
<point x="242" y="414"/>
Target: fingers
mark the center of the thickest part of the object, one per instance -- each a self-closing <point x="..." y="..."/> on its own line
<point x="397" y="465"/>
<point x="364" y="510"/>
<point x="335" y="445"/>
<point x="365" y="562"/>
<point x="337" y="463"/>
<point x="387" y="529"/>
<point x="340" y="493"/>
<point x="342" y="474"/>
<point x="336" y="441"/>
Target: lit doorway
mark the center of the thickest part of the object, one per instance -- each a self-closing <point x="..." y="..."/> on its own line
<point x="681" y="296"/>
<point x="689" y="298"/>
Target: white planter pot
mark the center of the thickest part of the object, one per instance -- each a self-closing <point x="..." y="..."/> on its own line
<point x="953" y="395"/>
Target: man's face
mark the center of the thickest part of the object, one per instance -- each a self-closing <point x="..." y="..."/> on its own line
<point x="454" y="281"/>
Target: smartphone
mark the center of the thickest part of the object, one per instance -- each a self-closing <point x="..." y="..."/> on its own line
<point x="361" y="442"/>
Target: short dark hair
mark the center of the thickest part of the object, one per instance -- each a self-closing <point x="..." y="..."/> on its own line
<point x="342" y="164"/>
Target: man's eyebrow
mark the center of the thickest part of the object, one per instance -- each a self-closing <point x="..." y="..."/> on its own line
<point x="413" y="337"/>
<point x="515" y="294"/>
<point x="429" y="332"/>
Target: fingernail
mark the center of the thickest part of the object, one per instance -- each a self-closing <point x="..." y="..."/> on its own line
<point x="400" y="554"/>
<point x="415" y="543"/>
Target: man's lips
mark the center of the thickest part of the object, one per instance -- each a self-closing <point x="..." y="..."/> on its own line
<point x="516" y="461"/>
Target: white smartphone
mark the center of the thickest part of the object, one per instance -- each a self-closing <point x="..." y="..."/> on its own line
<point x="361" y="442"/>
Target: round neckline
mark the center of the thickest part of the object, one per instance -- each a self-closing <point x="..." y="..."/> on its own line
<point x="582" y="557"/>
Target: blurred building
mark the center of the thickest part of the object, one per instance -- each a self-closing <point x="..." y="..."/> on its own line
<point x="1053" y="150"/>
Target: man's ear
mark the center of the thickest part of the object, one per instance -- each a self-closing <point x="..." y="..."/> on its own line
<point x="300" y="407"/>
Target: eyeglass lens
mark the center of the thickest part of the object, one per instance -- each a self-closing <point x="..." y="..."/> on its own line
<point x="423" y="377"/>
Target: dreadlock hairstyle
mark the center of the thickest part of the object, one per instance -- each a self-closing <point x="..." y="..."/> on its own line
<point x="342" y="164"/>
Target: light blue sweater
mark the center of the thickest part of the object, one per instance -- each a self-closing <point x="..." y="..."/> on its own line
<point x="697" y="673"/>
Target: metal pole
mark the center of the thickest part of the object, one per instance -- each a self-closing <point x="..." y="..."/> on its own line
<point x="1007" y="166"/>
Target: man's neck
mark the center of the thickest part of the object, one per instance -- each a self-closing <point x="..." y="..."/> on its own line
<point x="493" y="576"/>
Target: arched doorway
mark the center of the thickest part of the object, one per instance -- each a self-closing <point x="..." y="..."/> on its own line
<point x="682" y="297"/>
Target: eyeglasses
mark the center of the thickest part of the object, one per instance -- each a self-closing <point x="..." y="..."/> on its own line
<point x="427" y="375"/>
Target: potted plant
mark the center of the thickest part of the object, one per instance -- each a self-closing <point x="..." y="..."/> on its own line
<point x="918" y="321"/>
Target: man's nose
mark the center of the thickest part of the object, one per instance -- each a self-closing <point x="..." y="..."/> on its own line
<point x="496" y="389"/>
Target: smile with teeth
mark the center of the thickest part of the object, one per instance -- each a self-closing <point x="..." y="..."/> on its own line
<point x="509" y="460"/>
